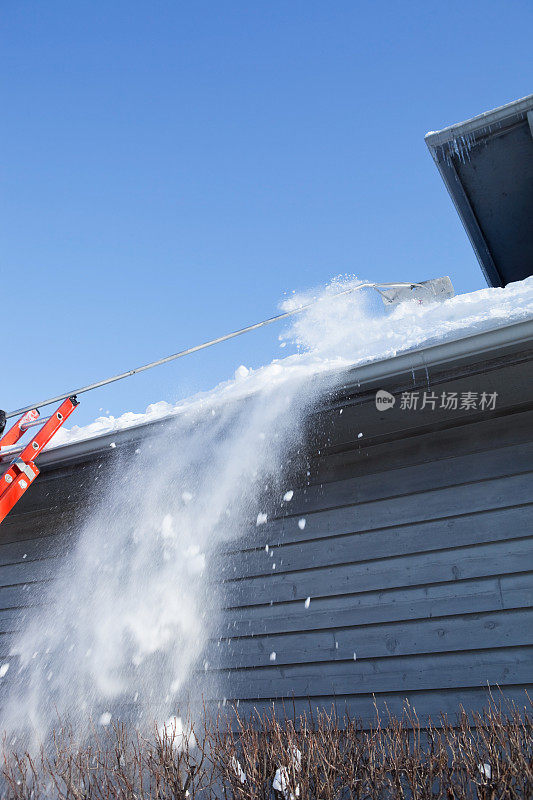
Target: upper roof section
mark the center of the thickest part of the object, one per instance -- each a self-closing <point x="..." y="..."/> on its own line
<point x="487" y="166"/>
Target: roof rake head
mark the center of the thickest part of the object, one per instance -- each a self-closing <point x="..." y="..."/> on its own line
<point x="437" y="289"/>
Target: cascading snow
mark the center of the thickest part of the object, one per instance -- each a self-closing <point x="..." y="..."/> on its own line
<point x="124" y="622"/>
<point x="127" y="613"/>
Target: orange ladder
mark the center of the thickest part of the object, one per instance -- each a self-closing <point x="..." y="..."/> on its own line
<point x="22" y="470"/>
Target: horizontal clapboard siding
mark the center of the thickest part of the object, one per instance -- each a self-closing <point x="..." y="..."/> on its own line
<point x="409" y="570"/>
<point x="440" y="534"/>
<point x="436" y="503"/>
<point x="416" y="562"/>
<point x="435" y="635"/>
<point x="415" y="479"/>
<point x="415" y="673"/>
<point x="382" y="606"/>
<point x="411" y="578"/>
<point x="429" y="704"/>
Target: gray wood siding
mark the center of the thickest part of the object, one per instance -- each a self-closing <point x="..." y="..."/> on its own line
<point x="416" y="553"/>
<point x="417" y="556"/>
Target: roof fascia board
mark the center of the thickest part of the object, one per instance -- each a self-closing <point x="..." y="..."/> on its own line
<point x="468" y="219"/>
<point x="452" y="146"/>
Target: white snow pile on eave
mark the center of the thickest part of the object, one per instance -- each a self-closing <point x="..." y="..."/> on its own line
<point x="338" y="333"/>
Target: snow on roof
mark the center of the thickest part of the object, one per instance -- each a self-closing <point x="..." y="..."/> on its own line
<point x="340" y="334"/>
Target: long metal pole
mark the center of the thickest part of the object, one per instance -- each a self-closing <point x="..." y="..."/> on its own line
<point x="189" y="350"/>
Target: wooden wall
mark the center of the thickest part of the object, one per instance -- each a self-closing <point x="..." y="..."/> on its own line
<point x="416" y="554"/>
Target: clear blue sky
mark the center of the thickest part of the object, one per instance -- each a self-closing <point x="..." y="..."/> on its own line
<point x="170" y="169"/>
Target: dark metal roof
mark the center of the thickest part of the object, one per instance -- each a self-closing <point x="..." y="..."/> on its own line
<point x="487" y="166"/>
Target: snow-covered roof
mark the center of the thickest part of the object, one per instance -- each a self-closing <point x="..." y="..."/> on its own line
<point x="466" y="327"/>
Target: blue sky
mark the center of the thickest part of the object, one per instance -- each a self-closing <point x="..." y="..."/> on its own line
<point x="171" y="169"/>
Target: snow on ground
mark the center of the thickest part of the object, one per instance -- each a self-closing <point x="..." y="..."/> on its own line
<point x="338" y="333"/>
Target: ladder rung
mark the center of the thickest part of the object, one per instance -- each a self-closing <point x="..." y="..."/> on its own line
<point x="10" y="450"/>
<point x="34" y="423"/>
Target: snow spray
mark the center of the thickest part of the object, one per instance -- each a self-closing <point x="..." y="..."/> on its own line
<point x="125" y="620"/>
<point x="122" y="626"/>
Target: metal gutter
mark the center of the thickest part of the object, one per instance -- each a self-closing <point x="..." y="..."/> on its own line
<point x="474" y="346"/>
<point x="477" y="344"/>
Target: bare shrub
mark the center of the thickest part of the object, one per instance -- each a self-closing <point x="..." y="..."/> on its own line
<point x="484" y="755"/>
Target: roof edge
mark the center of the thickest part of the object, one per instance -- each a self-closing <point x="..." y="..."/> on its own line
<point x="497" y="117"/>
<point x="476" y="344"/>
